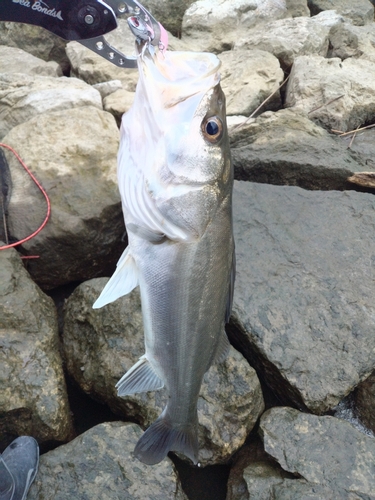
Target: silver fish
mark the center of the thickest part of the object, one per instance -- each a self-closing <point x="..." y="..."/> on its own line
<point x="175" y="179"/>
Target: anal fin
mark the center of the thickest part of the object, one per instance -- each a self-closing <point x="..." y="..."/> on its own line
<point x="140" y="378"/>
<point x="122" y="282"/>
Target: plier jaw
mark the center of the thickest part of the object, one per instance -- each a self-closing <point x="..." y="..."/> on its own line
<point x="142" y="24"/>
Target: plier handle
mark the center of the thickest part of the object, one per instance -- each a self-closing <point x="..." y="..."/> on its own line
<point x="86" y="21"/>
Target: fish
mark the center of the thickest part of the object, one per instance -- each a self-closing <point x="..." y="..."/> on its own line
<point x="175" y="178"/>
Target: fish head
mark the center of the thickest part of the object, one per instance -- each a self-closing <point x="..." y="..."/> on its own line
<point x="180" y="118"/>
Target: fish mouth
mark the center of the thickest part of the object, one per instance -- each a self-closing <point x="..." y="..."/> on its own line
<point x="178" y="75"/>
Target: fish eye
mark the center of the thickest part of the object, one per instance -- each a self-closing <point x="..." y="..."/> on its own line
<point x="212" y="129"/>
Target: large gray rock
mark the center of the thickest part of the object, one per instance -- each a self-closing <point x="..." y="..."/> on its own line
<point x="15" y="60"/>
<point x="334" y="459"/>
<point x="36" y="41"/>
<point x="289" y="38"/>
<point x="303" y="302"/>
<point x="248" y="77"/>
<point x="217" y="26"/>
<point x="364" y="402"/>
<point x="337" y="94"/>
<point x="22" y="97"/>
<point x="99" y="465"/>
<point x="287" y="148"/>
<point x="101" y="345"/>
<point x="347" y="40"/>
<point x="360" y="12"/>
<point x="33" y="398"/>
<point x="73" y="155"/>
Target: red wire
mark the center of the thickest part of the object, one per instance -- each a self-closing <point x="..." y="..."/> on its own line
<point x="44" y="194"/>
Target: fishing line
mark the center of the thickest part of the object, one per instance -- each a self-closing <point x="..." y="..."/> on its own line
<point x="40" y="187"/>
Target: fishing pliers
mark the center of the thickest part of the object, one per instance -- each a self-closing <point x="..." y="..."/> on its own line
<point x="87" y="21"/>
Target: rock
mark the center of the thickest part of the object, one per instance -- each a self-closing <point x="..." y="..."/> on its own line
<point x="108" y="88"/>
<point x="254" y="474"/>
<point x="169" y="13"/>
<point x="23" y="97"/>
<point x="33" y="398"/>
<point x="248" y="77"/>
<point x="224" y="22"/>
<point x="336" y="94"/>
<point x="94" y="69"/>
<point x="118" y="103"/>
<point x="286" y="148"/>
<point x="289" y="38"/>
<point x="297" y="8"/>
<point x="14" y="60"/>
<point x="363" y="145"/>
<point x="347" y="40"/>
<point x="364" y="402"/>
<point x="332" y="457"/>
<point x="99" y="464"/>
<point x="73" y="154"/>
<point x="101" y="345"/>
<point x="359" y="11"/>
<point x="364" y="179"/>
<point x="303" y="305"/>
<point x="36" y="41"/>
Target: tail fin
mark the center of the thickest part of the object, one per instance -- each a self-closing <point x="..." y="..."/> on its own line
<point x="161" y="437"/>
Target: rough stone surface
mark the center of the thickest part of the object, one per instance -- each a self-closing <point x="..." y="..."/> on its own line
<point x="327" y="452"/>
<point x="73" y="154"/>
<point x="169" y="13"/>
<point x="287" y="148"/>
<point x="15" y="60"/>
<point x="337" y="94"/>
<point x="223" y="22"/>
<point x="36" y="41"/>
<point x="248" y="77"/>
<point x="99" y="465"/>
<point x="101" y="345"/>
<point x="360" y="12"/>
<point x="364" y="402"/>
<point x="347" y="40"/>
<point x="33" y="398"/>
<point x="108" y="88"/>
<point x="303" y="308"/>
<point x="289" y="38"/>
<point x="22" y="97"/>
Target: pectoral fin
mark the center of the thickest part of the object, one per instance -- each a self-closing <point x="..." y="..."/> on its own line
<point x="124" y="279"/>
<point x="140" y="378"/>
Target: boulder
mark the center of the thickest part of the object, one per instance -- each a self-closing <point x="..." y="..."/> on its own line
<point x="248" y="77"/>
<point x="118" y="103"/>
<point x="36" y="41"/>
<point x="108" y="88"/>
<point x="333" y="459"/>
<point x="364" y="402"/>
<point x="347" y="41"/>
<point x="99" y="464"/>
<point x="360" y="12"/>
<point x="169" y="13"/>
<point x="23" y="97"/>
<point x="287" y="148"/>
<point x="33" y="398"/>
<point x="73" y="154"/>
<point x="337" y="94"/>
<point x="15" y="60"/>
<point x="289" y="38"/>
<point x="303" y="308"/>
<point x="218" y="26"/>
<point x="101" y="345"/>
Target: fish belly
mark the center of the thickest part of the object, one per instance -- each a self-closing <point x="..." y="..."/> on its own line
<point x="184" y="289"/>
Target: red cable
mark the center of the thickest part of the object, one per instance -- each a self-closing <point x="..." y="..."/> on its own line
<point x="44" y="194"/>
